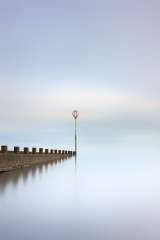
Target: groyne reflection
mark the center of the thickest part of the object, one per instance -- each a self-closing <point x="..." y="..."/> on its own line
<point x="23" y="174"/>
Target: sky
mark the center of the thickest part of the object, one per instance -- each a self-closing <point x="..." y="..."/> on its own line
<point x="98" y="56"/>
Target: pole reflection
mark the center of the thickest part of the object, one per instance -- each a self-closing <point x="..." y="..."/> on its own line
<point x="76" y="163"/>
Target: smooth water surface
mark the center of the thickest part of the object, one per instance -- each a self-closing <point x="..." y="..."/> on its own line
<point x="111" y="191"/>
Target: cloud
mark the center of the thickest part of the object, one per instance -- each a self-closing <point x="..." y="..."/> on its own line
<point x="47" y="104"/>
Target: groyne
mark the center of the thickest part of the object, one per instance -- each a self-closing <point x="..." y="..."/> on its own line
<point x="17" y="158"/>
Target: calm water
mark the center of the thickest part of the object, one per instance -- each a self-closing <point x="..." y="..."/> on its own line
<point x="111" y="192"/>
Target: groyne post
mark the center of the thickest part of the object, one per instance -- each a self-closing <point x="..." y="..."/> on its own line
<point x="46" y="151"/>
<point x="4" y="149"/>
<point x="16" y="149"/>
<point x="40" y="150"/>
<point x="34" y="150"/>
<point x="26" y="150"/>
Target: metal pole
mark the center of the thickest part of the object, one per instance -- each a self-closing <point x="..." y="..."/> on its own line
<point x="75" y="135"/>
<point x="75" y="114"/>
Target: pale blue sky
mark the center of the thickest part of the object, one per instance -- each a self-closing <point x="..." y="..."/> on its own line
<point x="99" y="56"/>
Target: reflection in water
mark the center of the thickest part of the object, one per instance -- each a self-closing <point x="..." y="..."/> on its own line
<point x="111" y="195"/>
<point x="13" y="177"/>
<point x="75" y="160"/>
<point x="76" y="164"/>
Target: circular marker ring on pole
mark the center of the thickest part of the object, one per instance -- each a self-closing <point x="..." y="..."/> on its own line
<point x="75" y="114"/>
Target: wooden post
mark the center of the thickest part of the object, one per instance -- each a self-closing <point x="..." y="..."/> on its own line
<point x="40" y="150"/>
<point x="34" y="150"/>
<point x="16" y="149"/>
<point x="51" y="152"/>
<point x="46" y="151"/>
<point x="4" y="149"/>
<point x="55" y="151"/>
<point x="26" y="150"/>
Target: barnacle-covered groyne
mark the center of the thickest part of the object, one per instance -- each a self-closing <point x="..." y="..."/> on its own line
<point x="17" y="158"/>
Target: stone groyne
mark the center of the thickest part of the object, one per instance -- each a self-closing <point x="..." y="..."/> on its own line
<point x="11" y="160"/>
